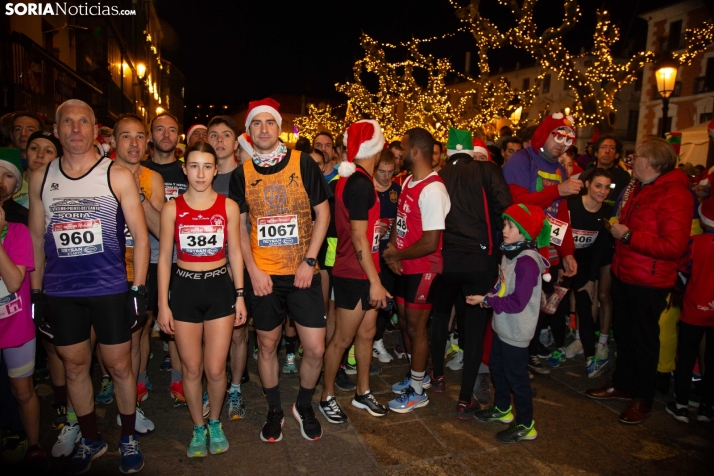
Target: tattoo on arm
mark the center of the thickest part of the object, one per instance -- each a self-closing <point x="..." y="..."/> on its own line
<point x="359" y="255"/>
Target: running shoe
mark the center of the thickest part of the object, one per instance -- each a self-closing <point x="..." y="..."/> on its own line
<point x="543" y="351"/>
<point x="14" y="448"/>
<point x="87" y="450"/>
<point x="60" y="418"/>
<point x="67" y="439"/>
<point x="457" y="362"/>
<point x="350" y="369"/>
<point x="400" y="387"/>
<point x="556" y="358"/>
<point x="438" y="384"/>
<point x="206" y="405"/>
<point x="309" y="425"/>
<point x="408" y="401"/>
<point x="343" y="382"/>
<point x="236" y="405"/>
<point x="379" y="351"/>
<point x="375" y="369"/>
<point x="143" y="425"/>
<point x="132" y="461"/>
<point x="272" y="431"/>
<point x="596" y="366"/>
<point x="300" y="351"/>
<point x="400" y="352"/>
<point x="332" y="411"/>
<point x="36" y="460"/>
<point x="535" y="365"/>
<point x="217" y="438"/>
<point x="166" y="364"/>
<point x="106" y="394"/>
<point x="255" y="353"/>
<point x="575" y="348"/>
<point x="601" y="351"/>
<point x="142" y="392"/>
<point x="705" y="413"/>
<point x="370" y="403"/>
<point x="176" y="391"/>
<point x="465" y="410"/>
<point x="679" y="414"/>
<point x="289" y="366"/>
<point x="482" y="388"/>
<point x="517" y="432"/>
<point x="451" y="349"/>
<point x="494" y="414"/>
<point x="197" y="447"/>
<point x="149" y="385"/>
<point x="351" y="356"/>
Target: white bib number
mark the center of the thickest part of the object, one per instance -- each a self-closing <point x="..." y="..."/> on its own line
<point x="375" y="238"/>
<point x="584" y="238"/>
<point x="401" y="225"/>
<point x="78" y="238"/>
<point x="171" y="193"/>
<point x="201" y="240"/>
<point x="10" y="303"/>
<point x="557" y="230"/>
<point x="278" y="231"/>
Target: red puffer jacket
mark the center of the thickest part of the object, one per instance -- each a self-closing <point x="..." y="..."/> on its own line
<point x="660" y="217"/>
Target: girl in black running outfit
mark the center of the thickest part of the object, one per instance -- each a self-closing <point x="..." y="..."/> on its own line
<point x="593" y="249"/>
<point x="202" y="307"/>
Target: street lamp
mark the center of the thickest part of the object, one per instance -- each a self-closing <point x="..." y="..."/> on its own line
<point x="141" y="70"/>
<point x="666" y="77"/>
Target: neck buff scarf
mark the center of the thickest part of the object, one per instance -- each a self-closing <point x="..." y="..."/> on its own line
<point x="514" y="249"/>
<point x="268" y="160"/>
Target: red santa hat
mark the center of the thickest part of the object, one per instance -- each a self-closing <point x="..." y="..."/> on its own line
<point x="480" y="146"/>
<point x="706" y="212"/>
<point x="534" y="226"/>
<point x="264" y="105"/>
<point x="364" y="139"/>
<point x="193" y="129"/>
<point x="246" y="144"/>
<point x="549" y="124"/>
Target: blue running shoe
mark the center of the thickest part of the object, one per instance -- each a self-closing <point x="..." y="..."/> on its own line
<point x="218" y="442"/>
<point x="556" y="357"/>
<point x="106" y="395"/>
<point x="206" y="405"/>
<point x="87" y="450"/>
<point x="400" y="387"/>
<point x="596" y="366"/>
<point x="197" y="447"/>
<point x="408" y="401"/>
<point x="166" y="364"/>
<point x="131" y="458"/>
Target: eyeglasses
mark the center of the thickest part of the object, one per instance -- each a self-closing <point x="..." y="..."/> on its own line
<point x="563" y="138"/>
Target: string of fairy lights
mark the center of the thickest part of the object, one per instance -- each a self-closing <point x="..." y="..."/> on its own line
<point x="400" y="102"/>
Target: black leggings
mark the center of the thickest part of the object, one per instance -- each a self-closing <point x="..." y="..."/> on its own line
<point x="472" y="330"/>
<point x="690" y="336"/>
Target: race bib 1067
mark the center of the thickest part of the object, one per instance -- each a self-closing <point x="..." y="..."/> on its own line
<point x="278" y="231"/>
<point x="78" y="238"/>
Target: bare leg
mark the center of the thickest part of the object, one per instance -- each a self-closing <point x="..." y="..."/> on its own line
<point x="417" y="320"/>
<point x="173" y="353"/>
<point x="238" y="353"/>
<point x="347" y="326"/>
<point x="77" y="358"/>
<point x="313" y="345"/>
<point x="189" y="339"/>
<point x="117" y="358"/>
<point x="216" y="334"/>
<point x="23" y="389"/>
<point x="268" y="356"/>
<point x="145" y="345"/>
<point x="57" y="372"/>
<point x="135" y="352"/>
<point x="330" y="321"/>
<point x="363" y="349"/>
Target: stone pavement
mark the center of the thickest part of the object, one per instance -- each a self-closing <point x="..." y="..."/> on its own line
<point x="576" y="435"/>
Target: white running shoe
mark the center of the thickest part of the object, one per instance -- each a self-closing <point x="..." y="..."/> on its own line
<point x="457" y="362"/>
<point x="575" y="348"/>
<point x="67" y="439"/>
<point x="379" y="351"/>
<point x="143" y="425"/>
<point x="601" y="351"/>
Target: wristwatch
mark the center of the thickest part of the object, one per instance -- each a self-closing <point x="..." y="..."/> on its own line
<point x="142" y="197"/>
<point x="626" y="237"/>
<point x="141" y="289"/>
<point x="310" y="261"/>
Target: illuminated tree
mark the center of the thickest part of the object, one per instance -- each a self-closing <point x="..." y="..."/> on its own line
<point x="318" y="120"/>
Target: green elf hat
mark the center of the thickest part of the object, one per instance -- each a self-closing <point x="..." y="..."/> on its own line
<point x="534" y="226"/>
<point x="459" y="142"/>
<point x="10" y="159"/>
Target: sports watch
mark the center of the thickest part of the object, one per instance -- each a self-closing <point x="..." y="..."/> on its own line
<point x="310" y="261"/>
<point x="141" y="289"/>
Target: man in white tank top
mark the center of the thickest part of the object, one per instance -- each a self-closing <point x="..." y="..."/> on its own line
<point x="77" y="208"/>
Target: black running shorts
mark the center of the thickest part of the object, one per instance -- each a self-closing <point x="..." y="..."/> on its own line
<point x="198" y="296"/>
<point x="305" y="306"/>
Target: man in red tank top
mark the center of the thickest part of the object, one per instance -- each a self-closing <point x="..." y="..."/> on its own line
<point x="358" y="290"/>
<point x="414" y="254"/>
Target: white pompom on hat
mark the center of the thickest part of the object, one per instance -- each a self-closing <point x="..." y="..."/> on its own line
<point x="364" y="139"/>
<point x="246" y="144"/>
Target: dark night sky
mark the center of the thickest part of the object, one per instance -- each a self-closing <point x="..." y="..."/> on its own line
<point x="236" y="51"/>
